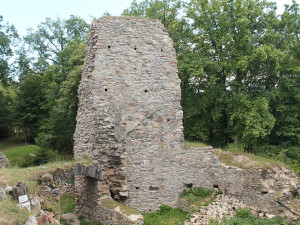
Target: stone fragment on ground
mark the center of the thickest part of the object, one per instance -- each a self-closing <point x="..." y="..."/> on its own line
<point x="4" y="162"/>
<point x="31" y="220"/>
<point x="2" y="193"/>
<point x="35" y="206"/>
<point x="18" y="190"/>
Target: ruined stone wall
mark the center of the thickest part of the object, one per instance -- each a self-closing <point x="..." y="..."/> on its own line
<point x="130" y="122"/>
<point x="129" y="118"/>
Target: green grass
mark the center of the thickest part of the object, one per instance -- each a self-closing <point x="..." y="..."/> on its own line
<point x="67" y="203"/>
<point x="188" y="144"/>
<point x="199" y="196"/>
<point x="111" y="204"/>
<point x="29" y="155"/>
<point x="63" y="222"/>
<point x="84" y="222"/>
<point x="18" y="156"/>
<point x="233" y="157"/>
<point x="10" y="143"/>
<point x="11" y="214"/>
<point x="245" y="217"/>
<point x="166" y="216"/>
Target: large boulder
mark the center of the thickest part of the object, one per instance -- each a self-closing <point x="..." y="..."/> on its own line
<point x="4" y="163"/>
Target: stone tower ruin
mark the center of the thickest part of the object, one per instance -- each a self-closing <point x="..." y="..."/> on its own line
<point x="130" y="119"/>
<point x="130" y="123"/>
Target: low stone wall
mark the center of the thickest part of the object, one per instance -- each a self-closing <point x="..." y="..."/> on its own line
<point x="112" y="213"/>
<point x="256" y="188"/>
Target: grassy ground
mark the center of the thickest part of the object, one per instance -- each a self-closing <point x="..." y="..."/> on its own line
<point x="67" y="203"/>
<point x="245" y="160"/>
<point x="10" y="143"/>
<point x="188" y="144"/>
<point x="245" y="217"/>
<point x="166" y="216"/>
<point x="11" y="214"/>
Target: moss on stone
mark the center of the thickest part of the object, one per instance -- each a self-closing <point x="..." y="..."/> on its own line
<point x="111" y="204"/>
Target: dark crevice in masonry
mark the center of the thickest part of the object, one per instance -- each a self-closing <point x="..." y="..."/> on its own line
<point x="190" y="185"/>
<point x="105" y="89"/>
<point x="215" y="186"/>
<point x="153" y="188"/>
<point x="112" y="194"/>
<point x="108" y="46"/>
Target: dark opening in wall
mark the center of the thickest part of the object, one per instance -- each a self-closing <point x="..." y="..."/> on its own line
<point x="151" y="188"/>
<point x="215" y="186"/>
<point x="112" y="194"/>
<point x="168" y="120"/>
<point x="264" y="192"/>
<point x="146" y="91"/>
<point x="108" y="46"/>
<point x="294" y="193"/>
<point x="137" y="188"/>
<point x="134" y="48"/>
<point x="105" y="89"/>
<point x="190" y="185"/>
<point x="161" y="50"/>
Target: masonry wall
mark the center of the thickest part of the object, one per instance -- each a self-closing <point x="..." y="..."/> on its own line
<point x="129" y="118"/>
<point x="130" y="122"/>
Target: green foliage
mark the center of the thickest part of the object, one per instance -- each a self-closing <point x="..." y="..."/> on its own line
<point x="51" y="39"/>
<point x="166" y="216"/>
<point x="8" y="37"/>
<point x="29" y="105"/>
<point x="57" y="129"/>
<point x="7" y="100"/>
<point x="245" y="217"/>
<point x="67" y="203"/>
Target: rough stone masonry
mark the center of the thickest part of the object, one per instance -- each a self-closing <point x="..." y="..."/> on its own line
<point x="130" y="122"/>
<point x="130" y="118"/>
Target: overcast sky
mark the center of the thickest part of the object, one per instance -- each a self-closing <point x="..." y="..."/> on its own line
<point x="29" y="13"/>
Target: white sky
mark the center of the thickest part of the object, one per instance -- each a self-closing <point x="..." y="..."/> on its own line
<point x="29" y="13"/>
